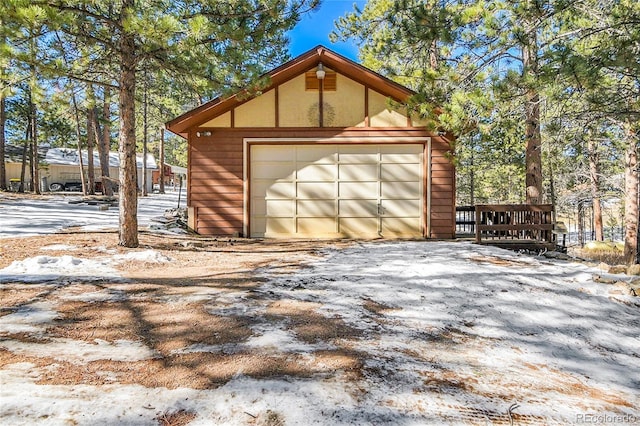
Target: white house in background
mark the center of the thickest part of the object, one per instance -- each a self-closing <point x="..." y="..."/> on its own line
<point x="60" y="167"/>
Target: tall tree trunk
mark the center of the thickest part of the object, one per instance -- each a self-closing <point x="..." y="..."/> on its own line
<point x="594" y="181"/>
<point x="631" y="197"/>
<point x="533" y="137"/>
<point x="128" y="230"/>
<point x="3" y="170"/>
<point x="79" y="136"/>
<point x="25" y="149"/>
<point x="145" y="135"/>
<point x="91" y="138"/>
<point x="3" y="119"/>
<point x="35" y="175"/>
<point x="104" y="144"/>
<point x="581" y="223"/>
<point x="161" y="182"/>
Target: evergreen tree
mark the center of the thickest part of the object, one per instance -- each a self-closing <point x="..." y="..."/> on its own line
<point x="215" y="43"/>
<point x="601" y="63"/>
<point x="477" y="65"/>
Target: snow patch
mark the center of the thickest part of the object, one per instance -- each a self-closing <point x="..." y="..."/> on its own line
<point x="29" y="318"/>
<point x="150" y="256"/>
<point x="103" y="249"/>
<point x="48" y="215"/>
<point x="80" y="352"/>
<point x="46" y="268"/>
<point x="107" y="295"/>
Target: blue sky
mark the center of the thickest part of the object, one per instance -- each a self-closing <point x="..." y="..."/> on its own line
<point x="314" y="28"/>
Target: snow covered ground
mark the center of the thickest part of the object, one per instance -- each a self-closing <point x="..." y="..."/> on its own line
<point x="448" y="333"/>
<point x="26" y="217"/>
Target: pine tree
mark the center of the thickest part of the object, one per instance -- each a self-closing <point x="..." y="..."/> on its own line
<point x="475" y="64"/>
<point x="221" y="43"/>
<point x="599" y="63"/>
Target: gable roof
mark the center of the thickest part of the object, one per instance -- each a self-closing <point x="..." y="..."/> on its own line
<point x="69" y="157"/>
<point x="297" y="66"/>
<point x="13" y="153"/>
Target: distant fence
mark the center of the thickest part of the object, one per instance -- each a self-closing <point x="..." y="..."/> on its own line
<point x="610" y="234"/>
<point x="465" y="220"/>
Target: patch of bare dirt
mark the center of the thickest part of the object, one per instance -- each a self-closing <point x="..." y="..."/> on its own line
<point x="308" y="325"/>
<point x="162" y="326"/>
<point x="13" y="297"/>
<point x="377" y="307"/>
<point x="197" y="370"/>
<point x="494" y="260"/>
<point x="267" y="418"/>
<point x="176" y="418"/>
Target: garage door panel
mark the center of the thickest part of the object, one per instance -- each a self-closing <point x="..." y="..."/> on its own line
<point x="280" y="225"/>
<point x="358" y="172"/>
<point x="400" y="172"/>
<point x="316" y="208"/>
<point x="359" y="227"/>
<point x="358" y="189"/>
<point x="276" y="170"/>
<point x="316" y="226"/>
<point x="400" y="190"/>
<point x="401" y="208"/>
<point x="323" y="154"/>
<point x="358" y="208"/>
<point x="280" y="208"/>
<point x="317" y="172"/>
<point x="399" y="158"/>
<point x="400" y="227"/>
<point x="386" y="150"/>
<point x="258" y="226"/>
<point x="273" y="153"/>
<point x="274" y="189"/>
<point x="357" y="154"/>
<point x="358" y="158"/>
<point x="316" y="190"/>
<point x="258" y="206"/>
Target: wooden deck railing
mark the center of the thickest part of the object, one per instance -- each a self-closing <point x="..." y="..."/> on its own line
<point x="515" y="224"/>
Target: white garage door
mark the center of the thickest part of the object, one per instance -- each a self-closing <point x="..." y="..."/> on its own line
<point x="336" y="190"/>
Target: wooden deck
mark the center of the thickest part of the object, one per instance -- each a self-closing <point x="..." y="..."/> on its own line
<point x="513" y="226"/>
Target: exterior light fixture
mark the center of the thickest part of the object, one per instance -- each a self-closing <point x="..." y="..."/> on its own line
<point x="320" y="73"/>
<point x="205" y="134"/>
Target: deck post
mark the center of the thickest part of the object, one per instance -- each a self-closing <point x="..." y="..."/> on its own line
<point x="478" y="216"/>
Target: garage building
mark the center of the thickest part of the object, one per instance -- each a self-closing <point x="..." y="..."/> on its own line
<point x="324" y="150"/>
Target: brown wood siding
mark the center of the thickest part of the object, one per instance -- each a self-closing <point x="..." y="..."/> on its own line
<point x="442" y="190"/>
<point x="216" y="190"/>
